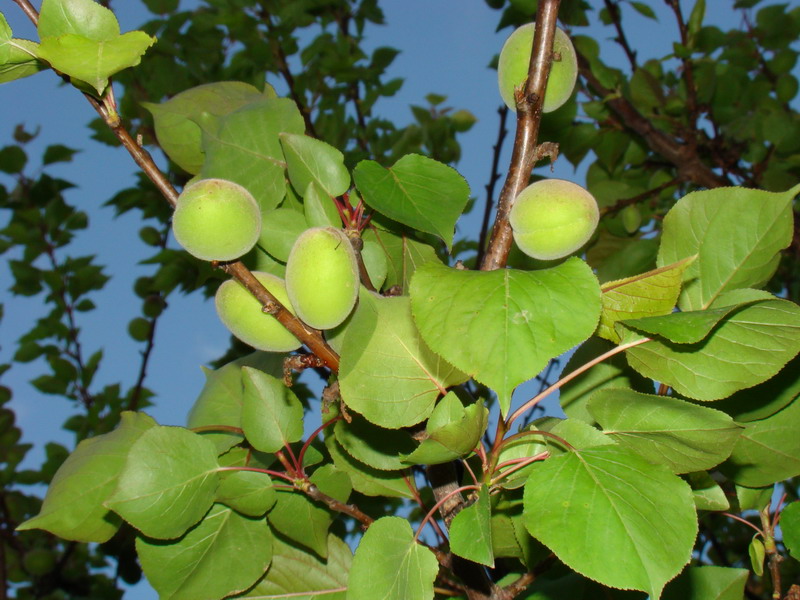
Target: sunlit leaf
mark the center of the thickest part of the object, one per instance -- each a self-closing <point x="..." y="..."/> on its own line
<point x="310" y="160"/>
<point x="272" y="416"/>
<point x="471" y="532"/>
<point x="244" y="147"/>
<point x="416" y="191"/>
<point x="390" y="565"/>
<point x="73" y="507"/>
<point x="197" y="566"/>
<point x="168" y="482"/>
<point x="747" y="347"/>
<point x="178" y="133"/>
<point x="683" y="436"/>
<point x="387" y="372"/>
<point x="652" y="293"/>
<point x="567" y="496"/>
<point x="503" y="326"/>
<point x="297" y="574"/>
<point x="94" y="61"/>
<point x="736" y="234"/>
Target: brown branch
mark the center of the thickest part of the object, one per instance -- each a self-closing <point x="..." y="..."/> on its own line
<point x="620" y="204"/>
<point x="29" y="10"/>
<point x="348" y="509"/>
<point x="521" y="584"/>
<point x="494" y="177"/>
<point x="529" y="113"/>
<point x="684" y="157"/>
<point x="310" y="337"/>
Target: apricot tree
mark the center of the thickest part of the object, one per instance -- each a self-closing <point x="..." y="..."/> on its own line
<point x="410" y="473"/>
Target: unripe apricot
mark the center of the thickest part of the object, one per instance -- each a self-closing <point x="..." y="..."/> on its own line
<point x="552" y="218"/>
<point x="241" y="313"/>
<point x="512" y="67"/>
<point x="322" y="277"/>
<point x="216" y="219"/>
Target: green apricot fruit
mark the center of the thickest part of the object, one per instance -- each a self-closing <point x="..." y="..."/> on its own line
<point x="322" y="277"/>
<point x="216" y="219"/>
<point x="553" y="218"/>
<point x="512" y="67"/>
<point x="241" y="313"/>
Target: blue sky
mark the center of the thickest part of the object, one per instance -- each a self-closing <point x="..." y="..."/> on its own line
<point x="445" y="46"/>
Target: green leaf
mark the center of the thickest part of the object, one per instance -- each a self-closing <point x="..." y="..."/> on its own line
<point x="58" y="153"/>
<point x="576" y="433"/>
<point x="387" y="373"/>
<point x="753" y="498"/>
<point x="757" y="553"/>
<point x="5" y="38"/>
<point x="746" y="348"/>
<point x="687" y="327"/>
<point x="645" y="10"/>
<point x="452" y="431"/>
<point x="12" y="159"/>
<point x="613" y="372"/>
<point x="94" y="61"/>
<point x="248" y="492"/>
<point x="81" y="17"/>
<point x="707" y="583"/>
<point x="375" y="446"/>
<point x="708" y="495"/>
<point x="790" y="527"/>
<point x="301" y="520"/>
<point x="177" y="131"/>
<point x="369" y="480"/>
<point x="390" y="565"/>
<point x="221" y="400"/>
<point x="522" y="447"/>
<point x="768" y="451"/>
<point x="417" y="191"/>
<point x="280" y="228"/>
<point x="168" y="482"/>
<point x="649" y="294"/>
<point x="272" y="416"/>
<point x="471" y="532"/>
<point x="300" y="575"/>
<point x="767" y="398"/>
<point x="73" y="506"/>
<point x="647" y="514"/>
<point x="244" y="147"/>
<point x="320" y="208"/>
<point x="310" y="160"/>
<point x="403" y="256"/>
<point x="198" y="565"/>
<point x="21" y="59"/>
<point x="737" y="234"/>
<point x="683" y="436"/>
<point x="695" y="22"/>
<point x="503" y="326"/>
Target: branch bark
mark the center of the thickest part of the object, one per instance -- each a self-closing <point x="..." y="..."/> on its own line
<point x="684" y="157"/>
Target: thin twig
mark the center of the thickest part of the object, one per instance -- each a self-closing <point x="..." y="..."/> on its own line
<point x="620" y="204"/>
<point x="494" y="177"/>
<point x="616" y="18"/>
